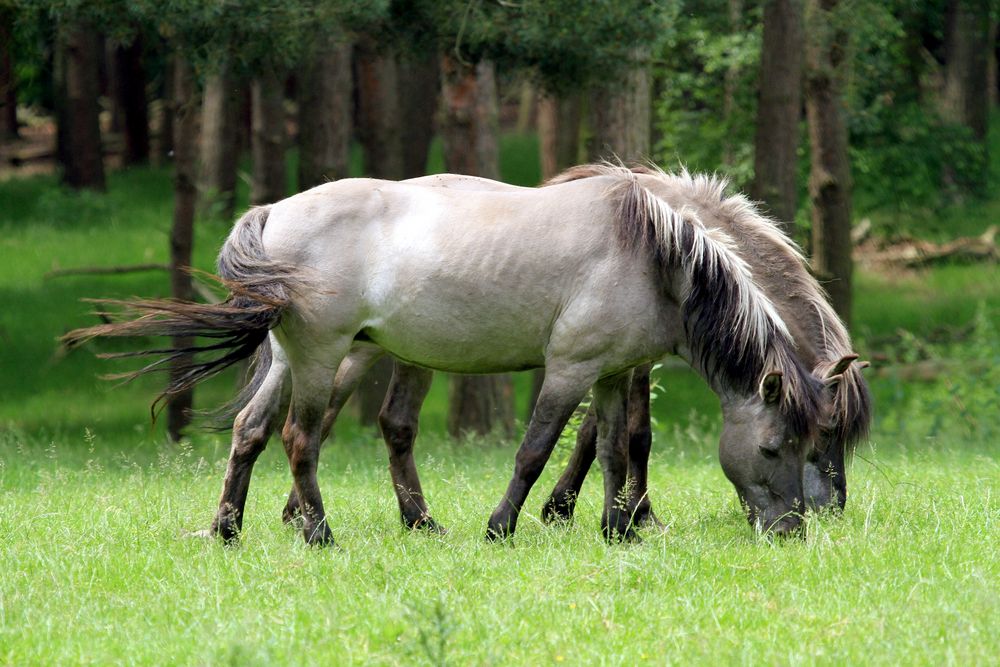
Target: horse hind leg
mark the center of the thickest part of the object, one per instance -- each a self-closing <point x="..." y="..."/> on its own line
<point x="312" y="384"/>
<point x="398" y="420"/>
<point x="251" y="430"/>
<point x="352" y="369"/>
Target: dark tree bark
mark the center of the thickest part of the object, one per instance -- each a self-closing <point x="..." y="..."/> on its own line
<point x="379" y="126"/>
<point x="779" y="108"/>
<point x="830" y="174"/>
<point x="182" y="233"/>
<point x="966" y="99"/>
<point x="8" y="91"/>
<point x="81" y="152"/>
<point x="558" y="133"/>
<point x="165" y="134"/>
<point x="418" y="90"/>
<point x="220" y="140"/>
<point x="469" y="128"/>
<point x="325" y="105"/>
<point x="130" y="88"/>
<point x="620" y="114"/>
<point x="269" y="182"/>
<point x="730" y="84"/>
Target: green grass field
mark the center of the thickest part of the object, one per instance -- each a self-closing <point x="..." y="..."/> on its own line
<point x="95" y="505"/>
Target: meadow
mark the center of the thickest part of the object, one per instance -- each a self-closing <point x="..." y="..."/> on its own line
<point x="95" y="505"/>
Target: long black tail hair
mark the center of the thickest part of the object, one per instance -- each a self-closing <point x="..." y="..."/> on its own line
<point x="260" y="290"/>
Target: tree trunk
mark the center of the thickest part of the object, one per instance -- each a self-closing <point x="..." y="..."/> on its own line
<point x="165" y="134"/>
<point x="83" y="161"/>
<point x="130" y="84"/>
<point x="730" y="84"/>
<point x="379" y="122"/>
<point x="966" y="98"/>
<point x="830" y="175"/>
<point x="220" y="143"/>
<point x="325" y="105"/>
<point x="8" y="92"/>
<point x="182" y="233"/>
<point x="469" y="128"/>
<point x="268" y="137"/>
<point x="620" y="115"/>
<point x="418" y="84"/>
<point x="558" y="133"/>
<point x="779" y="108"/>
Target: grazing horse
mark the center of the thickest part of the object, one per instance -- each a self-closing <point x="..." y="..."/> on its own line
<point x="778" y="267"/>
<point x="822" y="344"/>
<point x="588" y="279"/>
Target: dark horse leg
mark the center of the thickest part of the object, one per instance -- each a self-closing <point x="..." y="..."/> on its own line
<point x="562" y="501"/>
<point x="251" y="430"/>
<point x="561" y="393"/>
<point x="611" y="396"/>
<point x="349" y="375"/>
<point x="398" y="420"/>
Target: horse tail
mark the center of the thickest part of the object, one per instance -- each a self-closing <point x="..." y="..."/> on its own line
<point x="260" y="290"/>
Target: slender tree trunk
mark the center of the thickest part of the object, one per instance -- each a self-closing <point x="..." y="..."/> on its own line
<point x="182" y="233"/>
<point x="83" y="160"/>
<point x="379" y="125"/>
<point x="730" y="84"/>
<point x="8" y="91"/>
<point x="469" y="128"/>
<point x="418" y="84"/>
<point x="525" y="107"/>
<point x="779" y="108"/>
<point x="165" y="135"/>
<point x="966" y="97"/>
<point x="325" y="105"/>
<point x="269" y="181"/>
<point x="558" y="133"/>
<point x="130" y="83"/>
<point x="220" y="143"/>
<point x="830" y="176"/>
<point x="620" y="114"/>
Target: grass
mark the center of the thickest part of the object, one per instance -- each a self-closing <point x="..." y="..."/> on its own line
<point x="95" y="505"/>
<point x="100" y="571"/>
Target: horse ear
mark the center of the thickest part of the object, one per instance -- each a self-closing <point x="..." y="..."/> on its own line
<point x="841" y="365"/>
<point x="770" y="387"/>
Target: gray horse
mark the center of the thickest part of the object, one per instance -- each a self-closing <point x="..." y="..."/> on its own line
<point x="588" y="279"/>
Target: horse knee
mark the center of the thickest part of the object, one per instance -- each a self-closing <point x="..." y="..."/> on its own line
<point x="398" y="432"/>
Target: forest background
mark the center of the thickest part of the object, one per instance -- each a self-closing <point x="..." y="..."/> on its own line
<point x="132" y="133"/>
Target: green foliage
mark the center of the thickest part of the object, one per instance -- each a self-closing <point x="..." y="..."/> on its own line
<point x="567" y="43"/>
<point x="692" y="128"/>
<point x="959" y="405"/>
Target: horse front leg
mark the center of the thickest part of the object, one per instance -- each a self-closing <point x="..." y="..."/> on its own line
<point x="398" y="420"/>
<point x="561" y="393"/>
<point x="640" y="441"/>
<point x="611" y="397"/>
<point x="352" y="369"/>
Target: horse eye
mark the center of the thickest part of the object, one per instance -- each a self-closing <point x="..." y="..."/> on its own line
<point x="768" y="452"/>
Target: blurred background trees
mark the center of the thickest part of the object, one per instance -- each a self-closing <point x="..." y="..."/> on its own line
<point x="822" y="110"/>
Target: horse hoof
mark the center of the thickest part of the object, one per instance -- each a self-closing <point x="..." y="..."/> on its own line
<point x="320" y="536"/>
<point x="425" y="524"/>
<point x="646" y="519"/>
<point x="555" y="511"/>
<point x="291" y="514"/>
